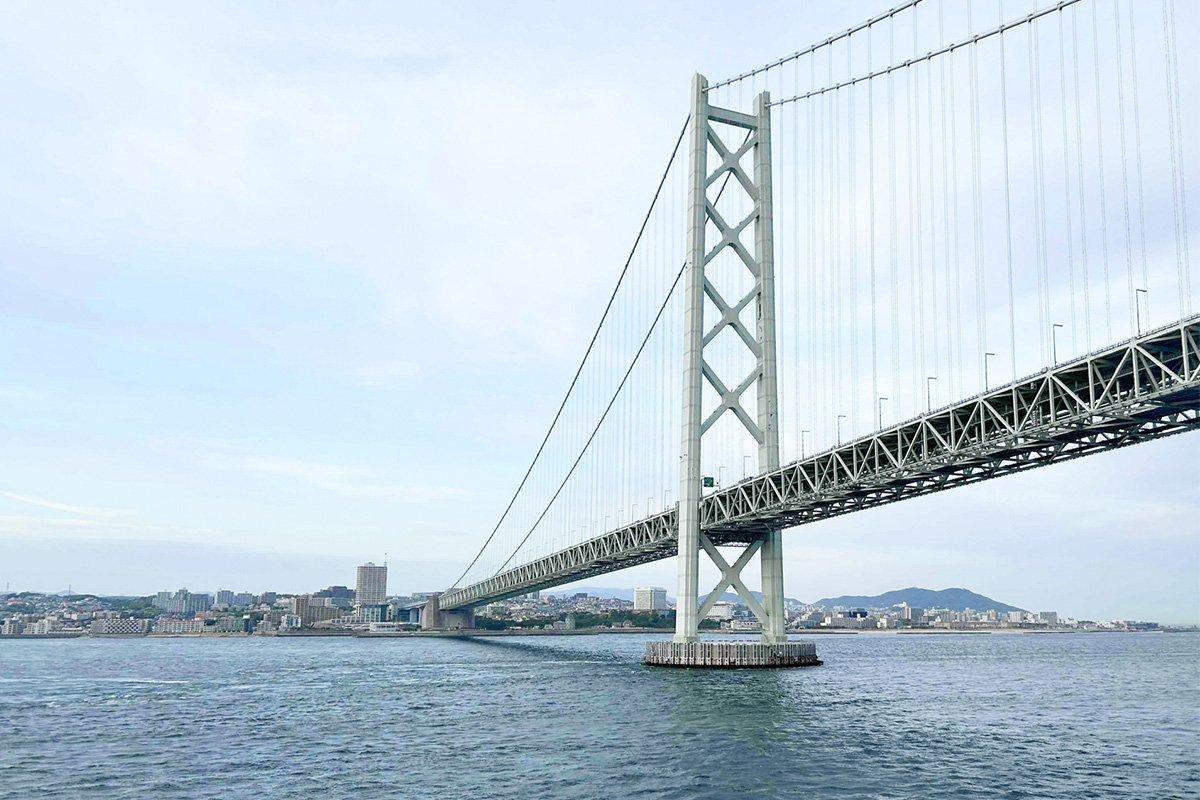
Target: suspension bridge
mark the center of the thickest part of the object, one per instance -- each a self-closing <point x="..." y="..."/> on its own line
<point x="946" y="245"/>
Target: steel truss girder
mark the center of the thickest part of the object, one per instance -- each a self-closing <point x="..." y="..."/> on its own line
<point x="1143" y="389"/>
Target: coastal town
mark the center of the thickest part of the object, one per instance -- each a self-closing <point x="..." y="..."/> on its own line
<point x="367" y="609"/>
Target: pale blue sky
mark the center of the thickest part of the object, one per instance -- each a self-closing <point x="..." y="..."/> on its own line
<point x="286" y="287"/>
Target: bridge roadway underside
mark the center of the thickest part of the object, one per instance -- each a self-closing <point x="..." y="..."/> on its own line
<point x="1142" y="389"/>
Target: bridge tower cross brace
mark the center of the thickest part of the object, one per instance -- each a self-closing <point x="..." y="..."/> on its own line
<point x="764" y="427"/>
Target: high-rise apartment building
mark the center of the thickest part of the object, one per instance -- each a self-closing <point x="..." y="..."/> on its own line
<point x="650" y="599"/>
<point x="371" y="588"/>
<point x="185" y="602"/>
<point x="224" y="597"/>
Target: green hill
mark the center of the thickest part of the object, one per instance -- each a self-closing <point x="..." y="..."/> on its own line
<point x="953" y="599"/>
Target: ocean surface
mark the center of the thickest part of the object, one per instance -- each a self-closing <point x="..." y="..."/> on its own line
<point x="887" y="716"/>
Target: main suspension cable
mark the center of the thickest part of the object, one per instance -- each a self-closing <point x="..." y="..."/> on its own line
<point x="587" y="353"/>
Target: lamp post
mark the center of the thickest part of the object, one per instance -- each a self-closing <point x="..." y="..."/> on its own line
<point x="745" y="467"/>
<point x="1054" y="341"/>
<point x="929" y="394"/>
<point x="985" y="377"/>
<point x="802" y="442"/>
<point x="1137" y="306"/>
<point x="880" y="405"/>
<point x="840" y="417"/>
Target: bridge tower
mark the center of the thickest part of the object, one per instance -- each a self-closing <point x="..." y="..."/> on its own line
<point x="763" y="426"/>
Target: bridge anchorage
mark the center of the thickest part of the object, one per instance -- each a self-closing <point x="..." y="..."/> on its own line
<point x="686" y="649"/>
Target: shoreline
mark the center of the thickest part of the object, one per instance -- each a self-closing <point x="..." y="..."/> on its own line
<point x="323" y="634"/>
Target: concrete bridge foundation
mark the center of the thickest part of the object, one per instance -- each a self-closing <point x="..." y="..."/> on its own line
<point x="731" y="655"/>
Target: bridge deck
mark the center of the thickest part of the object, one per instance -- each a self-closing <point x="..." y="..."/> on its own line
<point x="1142" y="389"/>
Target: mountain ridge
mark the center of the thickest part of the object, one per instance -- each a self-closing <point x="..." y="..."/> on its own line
<point x="955" y="599"/>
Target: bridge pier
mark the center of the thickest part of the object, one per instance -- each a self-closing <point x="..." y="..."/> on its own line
<point x="686" y="649"/>
<point x="434" y="618"/>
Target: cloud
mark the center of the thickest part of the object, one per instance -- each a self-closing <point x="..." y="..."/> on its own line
<point x="412" y="493"/>
<point x="18" y="524"/>
<point x="345" y="480"/>
<point x="314" y="472"/>
<point x="380" y="374"/>
<point x="85" y="510"/>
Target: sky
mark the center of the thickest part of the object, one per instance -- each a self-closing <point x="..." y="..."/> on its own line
<point x="285" y="289"/>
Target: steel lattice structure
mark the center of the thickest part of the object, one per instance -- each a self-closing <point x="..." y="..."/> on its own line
<point x="1145" y="388"/>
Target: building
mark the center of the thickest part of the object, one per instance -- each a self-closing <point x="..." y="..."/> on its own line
<point x="120" y="627"/>
<point x="371" y="587"/>
<point x="269" y="598"/>
<point x="1014" y="616"/>
<point x="720" y="610"/>
<point x="162" y="600"/>
<point x="1049" y="617"/>
<point x="184" y="602"/>
<point x="224" y="597"/>
<point x="44" y="626"/>
<point x="650" y="599"/>
<point x="10" y="627"/>
<point x="177" y="626"/>
<point x="234" y="624"/>
<point x="372" y="612"/>
<point x="339" y="596"/>
<point x="312" y="610"/>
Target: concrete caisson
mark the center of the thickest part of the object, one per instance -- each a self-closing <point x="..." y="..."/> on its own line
<point x="731" y="655"/>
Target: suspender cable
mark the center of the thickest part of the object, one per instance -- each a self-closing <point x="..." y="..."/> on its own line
<point x="835" y="243"/>
<point x="933" y="271"/>
<point x="1175" y="176"/>
<point x="893" y="231"/>
<point x="1062" y="94"/>
<point x="871" y="227"/>
<point x="798" y="400"/>
<point x="950" y="338"/>
<point x="1137" y="149"/>
<point x="600" y="422"/>
<point x="1183" y="215"/>
<point x="586" y="354"/>
<point x="1124" y="163"/>
<point x="1100" y="156"/>
<point x="1087" y="300"/>
<point x="1039" y="192"/>
<point x="977" y="216"/>
<point x="914" y="207"/>
<point x="1012" y="324"/>
<point x="853" y="158"/>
